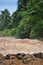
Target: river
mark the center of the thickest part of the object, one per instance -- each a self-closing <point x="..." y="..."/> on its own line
<point x="11" y="45"/>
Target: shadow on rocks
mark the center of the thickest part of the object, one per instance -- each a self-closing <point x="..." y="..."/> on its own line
<point x="28" y="58"/>
<point x="10" y="56"/>
<point x="38" y="55"/>
<point x="20" y="55"/>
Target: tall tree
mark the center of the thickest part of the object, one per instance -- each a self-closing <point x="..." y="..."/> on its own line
<point x="5" y="18"/>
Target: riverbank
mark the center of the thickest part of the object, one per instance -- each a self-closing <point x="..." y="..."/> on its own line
<point x="22" y="59"/>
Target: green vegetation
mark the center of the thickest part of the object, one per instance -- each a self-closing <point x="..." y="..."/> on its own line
<point x="25" y="22"/>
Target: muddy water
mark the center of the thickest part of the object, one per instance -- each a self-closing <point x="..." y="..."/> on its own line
<point x="10" y="45"/>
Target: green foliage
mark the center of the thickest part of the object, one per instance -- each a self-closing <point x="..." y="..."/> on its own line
<point x="25" y="22"/>
<point x="24" y="28"/>
<point x="10" y="25"/>
<point x="13" y="31"/>
<point x="5" y="18"/>
<point x="6" y="32"/>
<point x="16" y="17"/>
<point x="37" y="30"/>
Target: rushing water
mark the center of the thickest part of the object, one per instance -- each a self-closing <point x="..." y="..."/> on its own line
<point x="10" y="45"/>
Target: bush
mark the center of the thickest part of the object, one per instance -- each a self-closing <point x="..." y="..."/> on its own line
<point x="33" y="34"/>
<point x="13" y="31"/>
<point x="37" y="30"/>
<point x="23" y="29"/>
<point x="6" y="32"/>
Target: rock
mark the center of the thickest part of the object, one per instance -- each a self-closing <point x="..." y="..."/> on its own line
<point x="38" y="55"/>
<point x="12" y="63"/>
<point x="20" y="55"/>
<point x="1" y="63"/>
<point x="1" y="57"/>
<point x="7" y="56"/>
<point x="21" y="59"/>
<point x="10" y="56"/>
<point x="27" y="58"/>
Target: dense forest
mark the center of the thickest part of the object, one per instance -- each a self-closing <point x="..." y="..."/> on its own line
<point x="25" y="22"/>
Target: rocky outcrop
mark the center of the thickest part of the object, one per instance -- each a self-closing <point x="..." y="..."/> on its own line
<point x="21" y="59"/>
<point x="38" y="55"/>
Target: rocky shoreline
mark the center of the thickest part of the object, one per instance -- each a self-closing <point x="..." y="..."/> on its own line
<point x="22" y="59"/>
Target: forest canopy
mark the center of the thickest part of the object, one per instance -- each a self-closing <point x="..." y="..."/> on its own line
<point x="25" y="22"/>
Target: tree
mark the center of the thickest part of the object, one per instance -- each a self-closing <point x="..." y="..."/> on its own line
<point x="5" y="18"/>
<point x="24" y="28"/>
<point x="34" y="28"/>
<point x="16" y="17"/>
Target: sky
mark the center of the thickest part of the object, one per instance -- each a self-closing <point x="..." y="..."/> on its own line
<point x="11" y="5"/>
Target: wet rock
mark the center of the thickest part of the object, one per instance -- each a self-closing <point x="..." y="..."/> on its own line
<point x="21" y="59"/>
<point x="38" y="55"/>
<point x="20" y="55"/>
<point x="28" y="58"/>
<point x="10" y="56"/>
<point x="7" y="56"/>
<point x="12" y="63"/>
<point x="1" y="63"/>
<point x="1" y="57"/>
